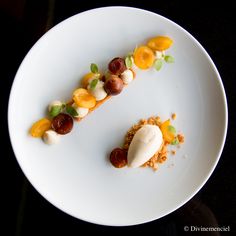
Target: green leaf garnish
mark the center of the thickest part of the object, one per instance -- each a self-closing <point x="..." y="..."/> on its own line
<point x="169" y="59"/>
<point x="63" y="106"/>
<point x="158" y="64"/>
<point x="71" y="110"/>
<point x="130" y="54"/>
<point x="94" y="68"/>
<point x="93" y="84"/>
<point x="55" y="110"/>
<point x="128" y="61"/>
<point x="171" y="129"/>
<point x="175" y="141"/>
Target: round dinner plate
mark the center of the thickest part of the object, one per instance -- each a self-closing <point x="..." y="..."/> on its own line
<point x="76" y="175"/>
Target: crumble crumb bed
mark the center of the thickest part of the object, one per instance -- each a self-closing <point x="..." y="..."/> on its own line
<point x="180" y="138"/>
<point x="161" y="155"/>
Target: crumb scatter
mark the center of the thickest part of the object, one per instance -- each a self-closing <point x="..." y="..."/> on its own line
<point x="173" y="116"/>
<point x="161" y="155"/>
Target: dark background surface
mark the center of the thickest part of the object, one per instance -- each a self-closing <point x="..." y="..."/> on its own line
<point x="24" y="211"/>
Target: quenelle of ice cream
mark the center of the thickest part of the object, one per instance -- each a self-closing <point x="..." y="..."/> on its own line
<point x="145" y="143"/>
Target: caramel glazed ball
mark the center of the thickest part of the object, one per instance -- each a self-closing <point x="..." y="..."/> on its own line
<point x="114" y="84"/>
<point x="62" y="123"/>
<point x="118" y="157"/>
<point x="117" y="66"/>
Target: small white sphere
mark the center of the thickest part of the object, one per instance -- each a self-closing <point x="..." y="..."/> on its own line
<point x="127" y="76"/>
<point x="54" y="103"/>
<point x="51" y="137"/>
<point x="98" y="92"/>
<point x="160" y="54"/>
<point x="82" y="111"/>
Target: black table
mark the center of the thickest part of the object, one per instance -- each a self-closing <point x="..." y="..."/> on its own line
<point x="24" y="211"/>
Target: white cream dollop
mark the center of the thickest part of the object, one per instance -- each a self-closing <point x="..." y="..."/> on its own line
<point x="160" y="54"/>
<point x="127" y="76"/>
<point x="145" y="143"/>
<point x="82" y="111"/>
<point x="54" y="103"/>
<point x="98" y="92"/>
<point x="51" y="137"/>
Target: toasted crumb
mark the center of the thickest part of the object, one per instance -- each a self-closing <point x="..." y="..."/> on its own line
<point x="158" y="121"/>
<point x="173" y="152"/>
<point x="180" y="138"/>
<point x="155" y="167"/>
<point x="143" y="122"/>
<point x="173" y="116"/>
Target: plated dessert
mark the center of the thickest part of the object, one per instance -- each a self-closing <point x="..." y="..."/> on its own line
<point x="98" y="86"/>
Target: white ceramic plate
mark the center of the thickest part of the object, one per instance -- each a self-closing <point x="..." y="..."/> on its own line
<point x="76" y="175"/>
